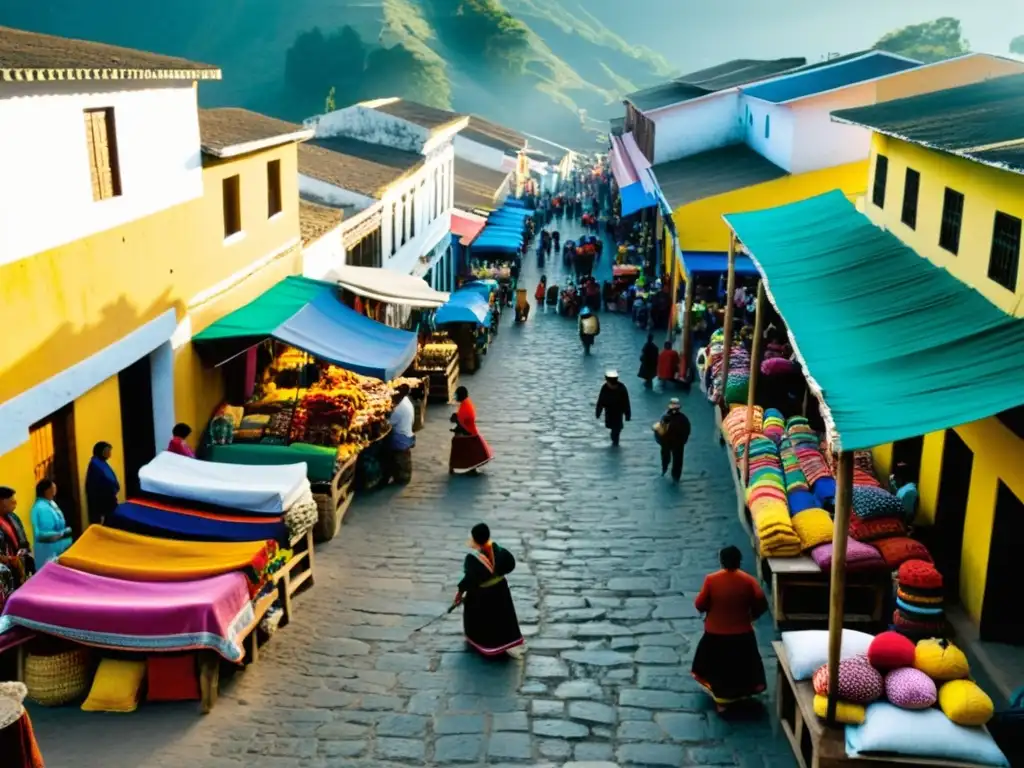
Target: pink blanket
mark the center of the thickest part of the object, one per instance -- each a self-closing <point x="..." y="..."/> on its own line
<point x="213" y="614"/>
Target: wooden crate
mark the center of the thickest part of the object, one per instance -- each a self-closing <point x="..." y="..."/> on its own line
<point x="443" y="383"/>
<point x="333" y="500"/>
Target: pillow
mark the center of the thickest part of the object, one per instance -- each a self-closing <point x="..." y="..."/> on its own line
<point x="941" y="660"/>
<point x="925" y="734"/>
<point x="910" y="688"/>
<point x="870" y="502"/>
<point x="172" y="677"/>
<point x="824" y="488"/>
<point x="891" y="650"/>
<point x="801" y="501"/>
<point x="859" y="557"/>
<point x="776" y="366"/>
<point x="813" y="526"/>
<point x="806" y="650"/>
<point x="878" y="528"/>
<point x="116" y="686"/>
<point x="898" y="549"/>
<point x="859" y="682"/>
<point x="846" y="712"/>
<point x="965" y="703"/>
<point x="919" y="574"/>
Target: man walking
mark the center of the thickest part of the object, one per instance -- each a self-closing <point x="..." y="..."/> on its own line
<point x="673" y="432"/>
<point x="613" y="401"/>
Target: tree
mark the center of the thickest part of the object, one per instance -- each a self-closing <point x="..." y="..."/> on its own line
<point x="317" y="63"/>
<point x="397" y="71"/>
<point x="928" y="42"/>
<point x="1017" y="45"/>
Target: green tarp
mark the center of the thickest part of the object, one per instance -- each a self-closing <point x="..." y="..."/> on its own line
<point x="895" y="346"/>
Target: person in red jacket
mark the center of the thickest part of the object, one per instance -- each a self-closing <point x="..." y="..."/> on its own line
<point x="668" y="364"/>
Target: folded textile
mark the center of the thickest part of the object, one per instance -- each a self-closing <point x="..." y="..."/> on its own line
<point x="813" y="527"/>
<point x="302" y="515"/>
<point x="897" y="550"/>
<point x="876" y="528"/>
<point x="213" y="613"/>
<point x="870" y="502"/>
<point x="913" y="609"/>
<point x="151" y="518"/>
<point x="910" y="597"/>
<point x="866" y="479"/>
<point x="734" y="425"/>
<point x="774" y="425"/>
<point x="104" y="551"/>
<point x="859" y="557"/>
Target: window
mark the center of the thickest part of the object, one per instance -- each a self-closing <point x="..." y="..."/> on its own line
<point x="101" y="142"/>
<point x="952" y="218"/>
<point x="911" y="187"/>
<point x="412" y="213"/>
<point x="231" y="194"/>
<point x="881" y="176"/>
<point x="767" y="126"/>
<point x="405" y="219"/>
<point x="273" y="188"/>
<point x="1002" y="263"/>
<point x="437" y="192"/>
<point x="750" y="117"/>
<point x="394" y="219"/>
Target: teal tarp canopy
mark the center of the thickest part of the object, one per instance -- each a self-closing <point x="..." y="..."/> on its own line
<point x="894" y="346"/>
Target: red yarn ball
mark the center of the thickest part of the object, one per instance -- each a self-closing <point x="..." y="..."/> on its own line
<point x="891" y="650"/>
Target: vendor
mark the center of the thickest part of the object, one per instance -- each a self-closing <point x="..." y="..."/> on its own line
<point x="16" y="561"/>
<point x="901" y="483"/>
<point x="50" y="529"/>
<point x="178" y="445"/>
<point x="402" y="440"/>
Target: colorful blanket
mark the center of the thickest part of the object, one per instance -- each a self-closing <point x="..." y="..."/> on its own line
<point x="213" y="614"/>
<point x="151" y="518"/>
<point x="104" y="551"/>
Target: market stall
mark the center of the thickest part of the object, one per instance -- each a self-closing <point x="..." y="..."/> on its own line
<point x="467" y="318"/>
<point x="437" y="361"/>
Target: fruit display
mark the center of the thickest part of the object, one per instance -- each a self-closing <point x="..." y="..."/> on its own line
<point x="437" y="354"/>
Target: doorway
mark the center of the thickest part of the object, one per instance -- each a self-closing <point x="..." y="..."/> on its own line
<point x="951" y="510"/>
<point x="53" y="458"/>
<point x="1001" y="620"/>
<point x="135" y="385"/>
<point x="909" y="452"/>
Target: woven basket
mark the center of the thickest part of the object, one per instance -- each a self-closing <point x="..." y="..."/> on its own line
<point x="57" y="679"/>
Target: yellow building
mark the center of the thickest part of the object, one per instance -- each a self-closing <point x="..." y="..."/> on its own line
<point x="121" y="234"/>
<point x="947" y="179"/>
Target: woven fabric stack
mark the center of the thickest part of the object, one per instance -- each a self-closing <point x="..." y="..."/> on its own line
<point x="734" y="425"/>
<point x="738" y="378"/>
<point x="812" y="463"/>
<point x="774" y="425"/>
<point x="812" y="523"/>
<point x="766" y="499"/>
<point x="919" y="601"/>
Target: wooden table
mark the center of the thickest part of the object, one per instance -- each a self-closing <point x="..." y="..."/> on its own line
<point x="333" y="499"/>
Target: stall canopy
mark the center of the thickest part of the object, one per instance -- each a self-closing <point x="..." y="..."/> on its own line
<point x="894" y="347"/>
<point x="467" y="226"/>
<point x="713" y="263"/>
<point x="632" y="173"/>
<point x="388" y="286"/>
<point x="484" y="287"/>
<point x="465" y="306"/>
<point x="308" y="314"/>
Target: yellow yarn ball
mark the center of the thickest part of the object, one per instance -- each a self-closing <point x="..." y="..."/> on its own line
<point x="965" y="703"/>
<point x="941" y="660"/>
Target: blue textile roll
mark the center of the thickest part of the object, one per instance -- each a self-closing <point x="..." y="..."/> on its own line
<point x="139" y="517"/>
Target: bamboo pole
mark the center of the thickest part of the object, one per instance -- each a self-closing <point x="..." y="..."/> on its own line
<point x="837" y="586"/>
<point x="755" y="372"/>
<point x="730" y="289"/>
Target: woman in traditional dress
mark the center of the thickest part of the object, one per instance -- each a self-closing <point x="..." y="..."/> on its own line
<point x="16" y="561"/>
<point x="101" y="485"/>
<point x="469" y="450"/>
<point x="488" y="613"/>
<point x="18" y="747"/>
<point x="49" y="528"/>
<point x="727" y="662"/>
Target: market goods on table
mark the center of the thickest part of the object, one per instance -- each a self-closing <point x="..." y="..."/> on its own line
<point x="436" y="354"/>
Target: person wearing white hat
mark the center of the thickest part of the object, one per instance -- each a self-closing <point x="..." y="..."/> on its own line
<point x="18" y="747"/>
<point x="613" y="402"/>
<point x="672" y="433"/>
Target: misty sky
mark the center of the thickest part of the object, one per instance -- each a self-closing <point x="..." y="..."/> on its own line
<point x="696" y="33"/>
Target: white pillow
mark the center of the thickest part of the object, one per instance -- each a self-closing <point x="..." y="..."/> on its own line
<point x="926" y="733"/>
<point x="807" y="650"/>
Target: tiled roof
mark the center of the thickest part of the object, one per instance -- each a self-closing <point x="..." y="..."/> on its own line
<point x="713" y="173"/>
<point x="983" y="121"/>
<point x="229" y="131"/>
<point x="829" y="76"/>
<point x="430" y="118"/>
<point x="315" y="221"/>
<point x="476" y="186"/>
<point x="356" y="166"/>
<point x="493" y="135"/>
<point x="665" y="95"/>
<point x="30" y="56"/>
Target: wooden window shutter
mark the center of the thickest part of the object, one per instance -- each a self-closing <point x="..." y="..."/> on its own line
<point x="102" y="140"/>
<point x="94" y="168"/>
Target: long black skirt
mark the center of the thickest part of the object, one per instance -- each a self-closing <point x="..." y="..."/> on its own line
<point x="489" y="619"/>
<point x="729" y="667"/>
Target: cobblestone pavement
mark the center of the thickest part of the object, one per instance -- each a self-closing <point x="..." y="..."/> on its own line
<point x="610" y="557"/>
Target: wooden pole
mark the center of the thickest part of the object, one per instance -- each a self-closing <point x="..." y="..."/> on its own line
<point x="755" y="372"/>
<point x="730" y="289"/>
<point x="837" y="586"/>
<point x="687" y="323"/>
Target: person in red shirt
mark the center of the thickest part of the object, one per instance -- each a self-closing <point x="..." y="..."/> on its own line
<point x="668" y="364"/>
<point x="178" y="445"/>
<point x="727" y="663"/>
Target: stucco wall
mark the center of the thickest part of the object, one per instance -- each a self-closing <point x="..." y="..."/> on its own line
<point x="480" y="154"/>
<point x="370" y="126"/>
<point x="693" y="127"/>
<point x="777" y="145"/>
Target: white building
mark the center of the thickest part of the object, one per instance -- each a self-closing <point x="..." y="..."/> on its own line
<point x="486" y="160"/>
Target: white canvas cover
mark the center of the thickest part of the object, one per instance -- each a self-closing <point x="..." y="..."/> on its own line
<point x="269" y="489"/>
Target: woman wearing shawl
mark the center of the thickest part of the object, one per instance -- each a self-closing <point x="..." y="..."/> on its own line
<point x="17" y="739"/>
<point x="16" y="561"/>
<point x="101" y="485"/>
<point x="488" y="613"/>
<point x="469" y="450"/>
<point x="50" y="529"/>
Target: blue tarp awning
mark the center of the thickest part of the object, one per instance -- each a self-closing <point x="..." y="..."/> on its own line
<point x="518" y="213"/>
<point x="465" y="306"/>
<point x="635" y="198"/>
<point x="712" y="263"/>
<point x="482" y="287"/>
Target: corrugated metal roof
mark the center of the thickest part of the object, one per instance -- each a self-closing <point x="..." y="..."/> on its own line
<point x="829" y="76"/>
<point x="493" y="135"/>
<point x="713" y="173"/>
<point x="983" y="121"/>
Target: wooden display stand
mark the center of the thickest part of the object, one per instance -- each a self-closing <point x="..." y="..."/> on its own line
<point x="443" y="383"/>
<point x="333" y="500"/>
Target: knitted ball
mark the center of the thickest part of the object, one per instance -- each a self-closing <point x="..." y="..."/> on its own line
<point x="859" y="682"/>
<point x="920" y="574"/>
<point x="941" y="660"/>
<point x="891" y="650"/>
<point x="910" y="688"/>
<point x="847" y="712"/>
<point x="965" y="703"/>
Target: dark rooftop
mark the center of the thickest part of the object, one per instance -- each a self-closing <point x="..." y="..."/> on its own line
<point x="983" y="121"/>
<point x="493" y="135"/>
<point x="665" y="95"/>
<point x="476" y="186"/>
<point x="430" y="118"/>
<point x="829" y="76"/>
<point x="315" y="221"/>
<point x="229" y="131"/>
<point x="714" y="172"/>
<point x="357" y="166"/>
<point x="30" y="56"/>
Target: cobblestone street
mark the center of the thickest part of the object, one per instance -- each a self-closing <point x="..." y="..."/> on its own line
<point x="610" y="556"/>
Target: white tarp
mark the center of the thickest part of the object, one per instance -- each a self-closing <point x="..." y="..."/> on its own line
<point x="269" y="489"/>
<point x="388" y="286"/>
